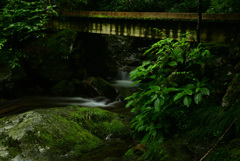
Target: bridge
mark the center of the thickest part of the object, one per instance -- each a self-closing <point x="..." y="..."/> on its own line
<point x="214" y="27"/>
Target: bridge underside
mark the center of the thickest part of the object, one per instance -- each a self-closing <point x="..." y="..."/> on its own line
<point x="211" y="31"/>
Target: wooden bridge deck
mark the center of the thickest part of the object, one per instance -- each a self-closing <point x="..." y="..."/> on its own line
<point x="214" y="28"/>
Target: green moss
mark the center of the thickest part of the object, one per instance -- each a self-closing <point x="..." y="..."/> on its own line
<point x="12" y="145"/>
<point x="72" y="134"/>
<point x="69" y="131"/>
<point x="100" y="122"/>
<point x="92" y="114"/>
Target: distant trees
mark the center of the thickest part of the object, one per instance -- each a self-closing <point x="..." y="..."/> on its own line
<point x="215" y="6"/>
<point x="224" y="6"/>
<point x="20" y="21"/>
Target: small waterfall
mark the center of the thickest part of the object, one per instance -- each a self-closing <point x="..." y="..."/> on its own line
<point x="123" y="75"/>
<point x="123" y="82"/>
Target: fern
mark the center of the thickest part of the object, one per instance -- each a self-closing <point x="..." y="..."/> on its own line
<point x="211" y="122"/>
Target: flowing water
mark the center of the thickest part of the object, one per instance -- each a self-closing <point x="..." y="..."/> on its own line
<point x="113" y="149"/>
<point x="123" y="79"/>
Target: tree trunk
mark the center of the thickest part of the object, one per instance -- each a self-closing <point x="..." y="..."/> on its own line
<point x="199" y="20"/>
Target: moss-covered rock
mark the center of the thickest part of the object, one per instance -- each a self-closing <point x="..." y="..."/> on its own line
<point x="57" y="133"/>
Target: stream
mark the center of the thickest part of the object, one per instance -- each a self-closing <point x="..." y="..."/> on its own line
<point x="33" y="102"/>
<point x="27" y="103"/>
<point x="113" y="149"/>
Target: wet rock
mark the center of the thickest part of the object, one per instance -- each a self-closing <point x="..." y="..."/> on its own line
<point x="57" y="133"/>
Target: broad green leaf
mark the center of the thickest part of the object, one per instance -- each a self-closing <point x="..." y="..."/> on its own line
<point x="172" y="89"/>
<point x="197" y="90"/>
<point x="187" y="101"/>
<point x="205" y="91"/>
<point x="157" y="88"/>
<point x="198" y="98"/>
<point x="181" y="60"/>
<point x="153" y="97"/>
<point x="183" y="40"/>
<point x="177" y="96"/>
<point x="141" y="128"/>
<point x="190" y="86"/>
<point x="188" y="91"/>
<point x="136" y="82"/>
<point x="157" y="105"/>
<point x="145" y="138"/>
<point x="161" y="100"/>
<point x="153" y="76"/>
<point x="146" y="63"/>
<point x="129" y="103"/>
<point x="175" y="44"/>
<point x="172" y="63"/>
<point x="138" y="125"/>
<point x="169" y="40"/>
<point x="207" y="53"/>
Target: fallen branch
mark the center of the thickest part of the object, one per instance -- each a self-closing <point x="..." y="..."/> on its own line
<point x="229" y="127"/>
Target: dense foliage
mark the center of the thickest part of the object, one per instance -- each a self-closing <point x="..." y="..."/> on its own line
<point x="20" y="21"/>
<point x="213" y="6"/>
<point x="173" y="102"/>
<point x="170" y="84"/>
<point x="147" y="5"/>
<point x="224" y="6"/>
<point x="70" y="4"/>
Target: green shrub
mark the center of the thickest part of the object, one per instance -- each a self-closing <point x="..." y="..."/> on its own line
<point x="171" y="82"/>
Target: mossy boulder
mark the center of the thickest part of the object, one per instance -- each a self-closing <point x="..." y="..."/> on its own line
<point x="66" y="133"/>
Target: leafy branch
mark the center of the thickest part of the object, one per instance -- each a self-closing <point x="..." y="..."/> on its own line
<point x="169" y="80"/>
<point x="20" y="21"/>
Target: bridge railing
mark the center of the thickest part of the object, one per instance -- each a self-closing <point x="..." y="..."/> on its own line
<point x="214" y="28"/>
<point x="153" y="15"/>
